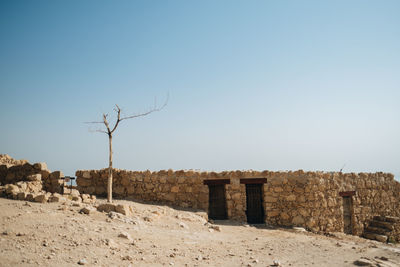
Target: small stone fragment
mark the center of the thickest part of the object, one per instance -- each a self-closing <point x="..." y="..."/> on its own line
<point x="82" y="262"/>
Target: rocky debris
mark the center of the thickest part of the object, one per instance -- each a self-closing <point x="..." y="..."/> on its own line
<point x="276" y="263"/>
<point x="22" y="195"/>
<point x="111" y="243"/>
<point x="82" y="262"/>
<point x="124" y="209"/>
<point x="364" y="262"/>
<point x="127" y="258"/>
<point x="109" y="207"/>
<point x="183" y="225"/>
<point x="106" y="207"/>
<point x="34" y="177"/>
<point x="9" y="161"/>
<point x="126" y="236"/>
<point x="56" y="197"/>
<point x="88" y="210"/>
<point x="76" y="199"/>
<point x="42" y="198"/>
<point x="88" y="199"/>
<point x="214" y="227"/>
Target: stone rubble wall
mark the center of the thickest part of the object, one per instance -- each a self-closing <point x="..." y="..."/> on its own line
<point x="305" y="199"/>
<point x="9" y="161"/>
<point x="47" y="180"/>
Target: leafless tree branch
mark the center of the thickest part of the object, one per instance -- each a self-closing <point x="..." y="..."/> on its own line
<point x="110" y="132"/>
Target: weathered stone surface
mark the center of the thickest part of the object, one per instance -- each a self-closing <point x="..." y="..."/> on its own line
<point x="124" y="209"/>
<point x="42" y="198"/>
<point x="88" y="210"/>
<point x="34" y="177"/>
<point x="41" y="166"/>
<point x="22" y="195"/>
<point x="107" y="207"/>
<point x="306" y="199"/>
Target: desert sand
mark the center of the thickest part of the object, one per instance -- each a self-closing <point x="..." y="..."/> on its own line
<point x="57" y="234"/>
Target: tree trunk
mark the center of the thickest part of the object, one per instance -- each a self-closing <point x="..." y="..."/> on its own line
<point x="110" y="175"/>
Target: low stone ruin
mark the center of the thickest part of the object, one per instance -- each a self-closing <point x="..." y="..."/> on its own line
<point x="383" y="229"/>
<point x="21" y="180"/>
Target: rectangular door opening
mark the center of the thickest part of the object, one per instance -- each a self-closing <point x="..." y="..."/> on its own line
<point x="254" y="203"/>
<point x="217" y="202"/>
<point x="347" y="207"/>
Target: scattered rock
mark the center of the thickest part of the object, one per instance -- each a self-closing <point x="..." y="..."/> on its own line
<point x="42" y="198"/>
<point x="82" y="262"/>
<point x="34" y="177"/>
<point x="125" y="235"/>
<point x="276" y="263"/>
<point x="363" y="262"/>
<point x="107" y="207"/>
<point x="87" y="210"/>
<point x="127" y="258"/>
<point x="124" y="209"/>
<point x="199" y="258"/>
<point x="183" y="225"/>
<point x="215" y="227"/>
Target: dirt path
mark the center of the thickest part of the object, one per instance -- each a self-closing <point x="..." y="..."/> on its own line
<point x="55" y="234"/>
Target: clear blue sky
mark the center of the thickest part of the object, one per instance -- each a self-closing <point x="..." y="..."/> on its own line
<point x="278" y="85"/>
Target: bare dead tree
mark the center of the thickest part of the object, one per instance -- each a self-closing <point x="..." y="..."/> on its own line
<point x="110" y="131"/>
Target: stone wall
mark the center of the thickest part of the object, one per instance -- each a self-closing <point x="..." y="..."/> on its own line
<point x="307" y="199"/>
<point x="38" y="172"/>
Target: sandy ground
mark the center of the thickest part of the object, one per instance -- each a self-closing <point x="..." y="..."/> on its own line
<point x="55" y="234"/>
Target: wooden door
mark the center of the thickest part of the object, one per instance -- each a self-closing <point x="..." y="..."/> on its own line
<point x="347" y="215"/>
<point x="254" y="203"/>
<point x="217" y="202"/>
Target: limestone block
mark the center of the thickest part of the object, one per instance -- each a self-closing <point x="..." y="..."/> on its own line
<point x="56" y="197"/>
<point x="22" y="186"/>
<point x="22" y="195"/>
<point x="284" y="216"/>
<point x="170" y="197"/>
<point x="119" y="190"/>
<point x="175" y="189"/>
<point x="272" y="213"/>
<point x="236" y="196"/>
<point x="11" y="188"/>
<point x="77" y="199"/>
<point x="124" y="209"/>
<point x="42" y="198"/>
<point x="83" y="182"/>
<point x="298" y="220"/>
<point x="75" y="192"/>
<point x="34" y="177"/>
<point x="40" y="166"/>
<point x="87" y="210"/>
<point x="291" y="198"/>
<point x="278" y="189"/>
<point x="86" y="175"/>
<point x="270" y="199"/>
<point x="56" y="175"/>
<point x="30" y="197"/>
<point x="107" y="207"/>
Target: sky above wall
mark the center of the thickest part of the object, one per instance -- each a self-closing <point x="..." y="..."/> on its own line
<point x="277" y="85"/>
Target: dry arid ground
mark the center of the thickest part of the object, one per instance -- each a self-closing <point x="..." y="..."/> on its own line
<point x="54" y="234"/>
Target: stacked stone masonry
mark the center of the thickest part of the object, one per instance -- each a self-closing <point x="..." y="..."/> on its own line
<point x="35" y="175"/>
<point x="311" y="200"/>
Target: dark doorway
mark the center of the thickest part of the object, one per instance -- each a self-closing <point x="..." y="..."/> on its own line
<point x="217" y="202"/>
<point x="254" y="205"/>
<point x="347" y="203"/>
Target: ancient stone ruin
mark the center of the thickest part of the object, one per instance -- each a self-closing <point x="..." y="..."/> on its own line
<point x="363" y="204"/>
<point x="34" y="182"/>
<point x="317" y="201"/>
